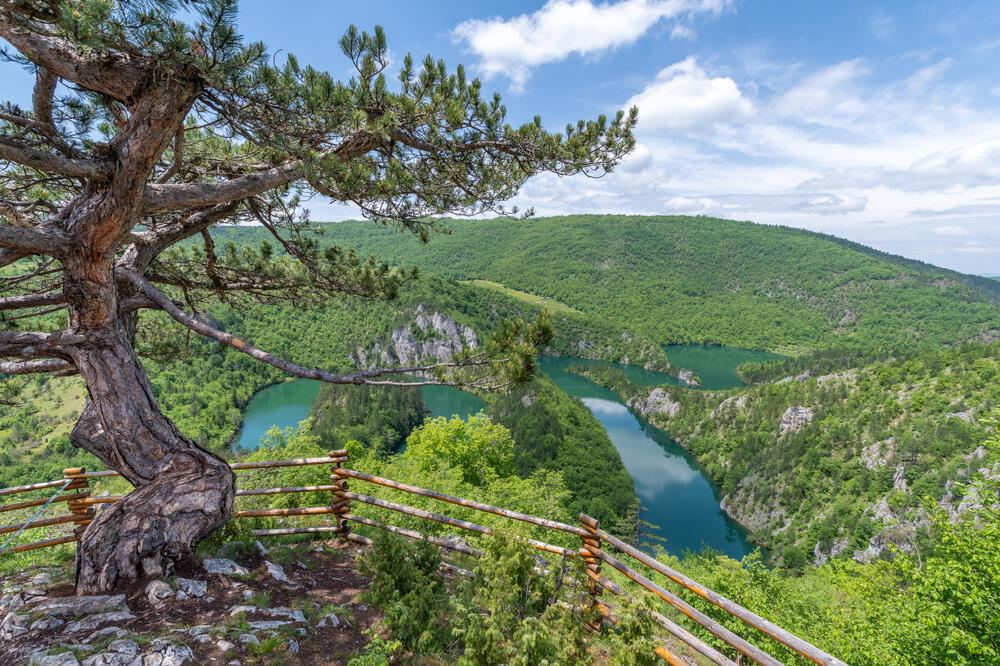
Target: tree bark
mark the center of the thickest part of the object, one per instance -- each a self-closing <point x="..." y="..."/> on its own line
<point x="183" y="493"/>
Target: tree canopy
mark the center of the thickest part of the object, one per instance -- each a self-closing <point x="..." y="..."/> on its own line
<point x="150" y="123"/>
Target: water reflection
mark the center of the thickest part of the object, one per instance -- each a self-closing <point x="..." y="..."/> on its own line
<point x="675" y="492"/>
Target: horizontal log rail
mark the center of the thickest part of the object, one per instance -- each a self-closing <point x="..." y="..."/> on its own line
<point x="38" y="502"/>
<point x="708" y="623"/>
<point x="47" y="543"/>
<point x="479" y="506"/>
<point x="34" y="486"/>
<point x="451" y="522"/>
<point x="82" y="507"/>
<point x="790" y="640"/>
<point x="58" y="520"/>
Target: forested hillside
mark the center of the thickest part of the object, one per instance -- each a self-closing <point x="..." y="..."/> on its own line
<point x="550" y="432"/>
<point x="821" y="465"/>
<point x="697" y="279"/>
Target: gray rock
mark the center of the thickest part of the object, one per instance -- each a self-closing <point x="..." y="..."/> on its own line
<point x="247" y="595"/>
<point x="14" y="626"/>
<point x="190" y="588"/>
<point x="91" y="622"/>
<point x="293" y="646"/>
<point x="24" y="598"/>
<point x="220" y="565"/>
<point x="61" y="659"/>
<point x="268" y="625"/>
<point x="158" y="592"/>
<point x="47" y="622"/>
<point x="249" y="639"/>
<point x="224" y="645"/>
<point x="276" y="572"/>
<point x="79" y="606"/>
<point x="657" y="402"/>
<point x="41" y="580"/>
<point x="330" y="620"/>
<point x="261" y="548"/>
<point x="688" y="377"/>
<point x="106" y="631"/>
<point x="168" y="655"/>
<point x="795" y="418"/>
<point x="119" y="653"/>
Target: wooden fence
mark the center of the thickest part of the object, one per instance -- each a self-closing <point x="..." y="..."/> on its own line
<point x="594" y="551"/>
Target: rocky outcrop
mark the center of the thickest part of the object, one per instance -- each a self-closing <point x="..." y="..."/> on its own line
<point x="729" y="407"/>
<point x="795" y="418"/>
<point x="658" y="402"/>
<point x="688" y="377"/>
<point x="755" y="514"/>
<point x="878" y="453"/>
<point x="440" y="337"/>
<point x="218" y="615"/>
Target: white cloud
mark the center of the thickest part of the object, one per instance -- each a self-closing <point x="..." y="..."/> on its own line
<point x="681" y="31"/>
<point x="513" y="47"/>
<point x="683" y="95"/>
<point x="950" y="230"/>
<point x="908" y="163"/>
<point x="829" y="93"/>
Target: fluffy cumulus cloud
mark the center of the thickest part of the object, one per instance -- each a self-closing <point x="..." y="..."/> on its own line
<point x="514" y="46"/>
<point x="908" y="163"/>
<point x="683" y="95"/>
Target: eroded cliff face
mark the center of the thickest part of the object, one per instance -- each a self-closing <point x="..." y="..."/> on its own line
<point x="657" y="402"/>
<point x="430" y="338"/>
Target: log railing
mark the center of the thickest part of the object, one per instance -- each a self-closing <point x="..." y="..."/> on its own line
<point x="593" y="553"/>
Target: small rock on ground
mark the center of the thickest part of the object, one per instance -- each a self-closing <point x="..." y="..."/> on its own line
<point x="157" y="592"/>
<point x="188" y="588"/>
<point x="221" y="565"/>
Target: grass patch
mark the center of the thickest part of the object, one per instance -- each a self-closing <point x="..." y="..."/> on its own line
<point x="535" y="300"/>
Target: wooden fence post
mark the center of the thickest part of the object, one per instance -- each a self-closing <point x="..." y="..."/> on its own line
<point x="590" y="553"/>
<point x="341" y="504"/>
<point x="79" y="508"/>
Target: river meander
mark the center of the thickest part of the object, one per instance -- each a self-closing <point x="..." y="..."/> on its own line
<point x="676" y="494"/>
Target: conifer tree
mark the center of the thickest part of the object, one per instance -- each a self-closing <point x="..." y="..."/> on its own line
<point x="153" y="121"/>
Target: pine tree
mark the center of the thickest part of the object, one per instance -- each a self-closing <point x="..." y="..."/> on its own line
<point x="145" y="130"/>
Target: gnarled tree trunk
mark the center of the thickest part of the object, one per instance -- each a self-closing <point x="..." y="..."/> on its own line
<point x="182" y="495"/>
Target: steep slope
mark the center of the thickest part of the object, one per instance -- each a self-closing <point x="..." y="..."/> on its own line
<point x="840" y="463"/>
<point x="698" y="279"/>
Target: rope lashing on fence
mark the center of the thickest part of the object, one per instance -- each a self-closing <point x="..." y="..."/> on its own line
<point x="25" y="524"/>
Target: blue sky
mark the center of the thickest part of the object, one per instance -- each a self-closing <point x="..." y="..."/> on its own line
<point x="875" y="121"/>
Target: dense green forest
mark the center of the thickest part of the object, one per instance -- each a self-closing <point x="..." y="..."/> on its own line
<point x="861" y="468"/>
<point x="697" y="279"/>
<point x="934" y="608"/>
<point x="551" y="432"/>
<point x="204" y="386"/>
<point x="377" y="417"/>
<point x="838" y="463"/>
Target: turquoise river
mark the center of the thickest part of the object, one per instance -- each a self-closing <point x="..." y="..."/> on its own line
<point x="680" y="503"/>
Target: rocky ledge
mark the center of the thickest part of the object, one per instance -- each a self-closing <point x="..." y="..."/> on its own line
<point x="294" y="605"/>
